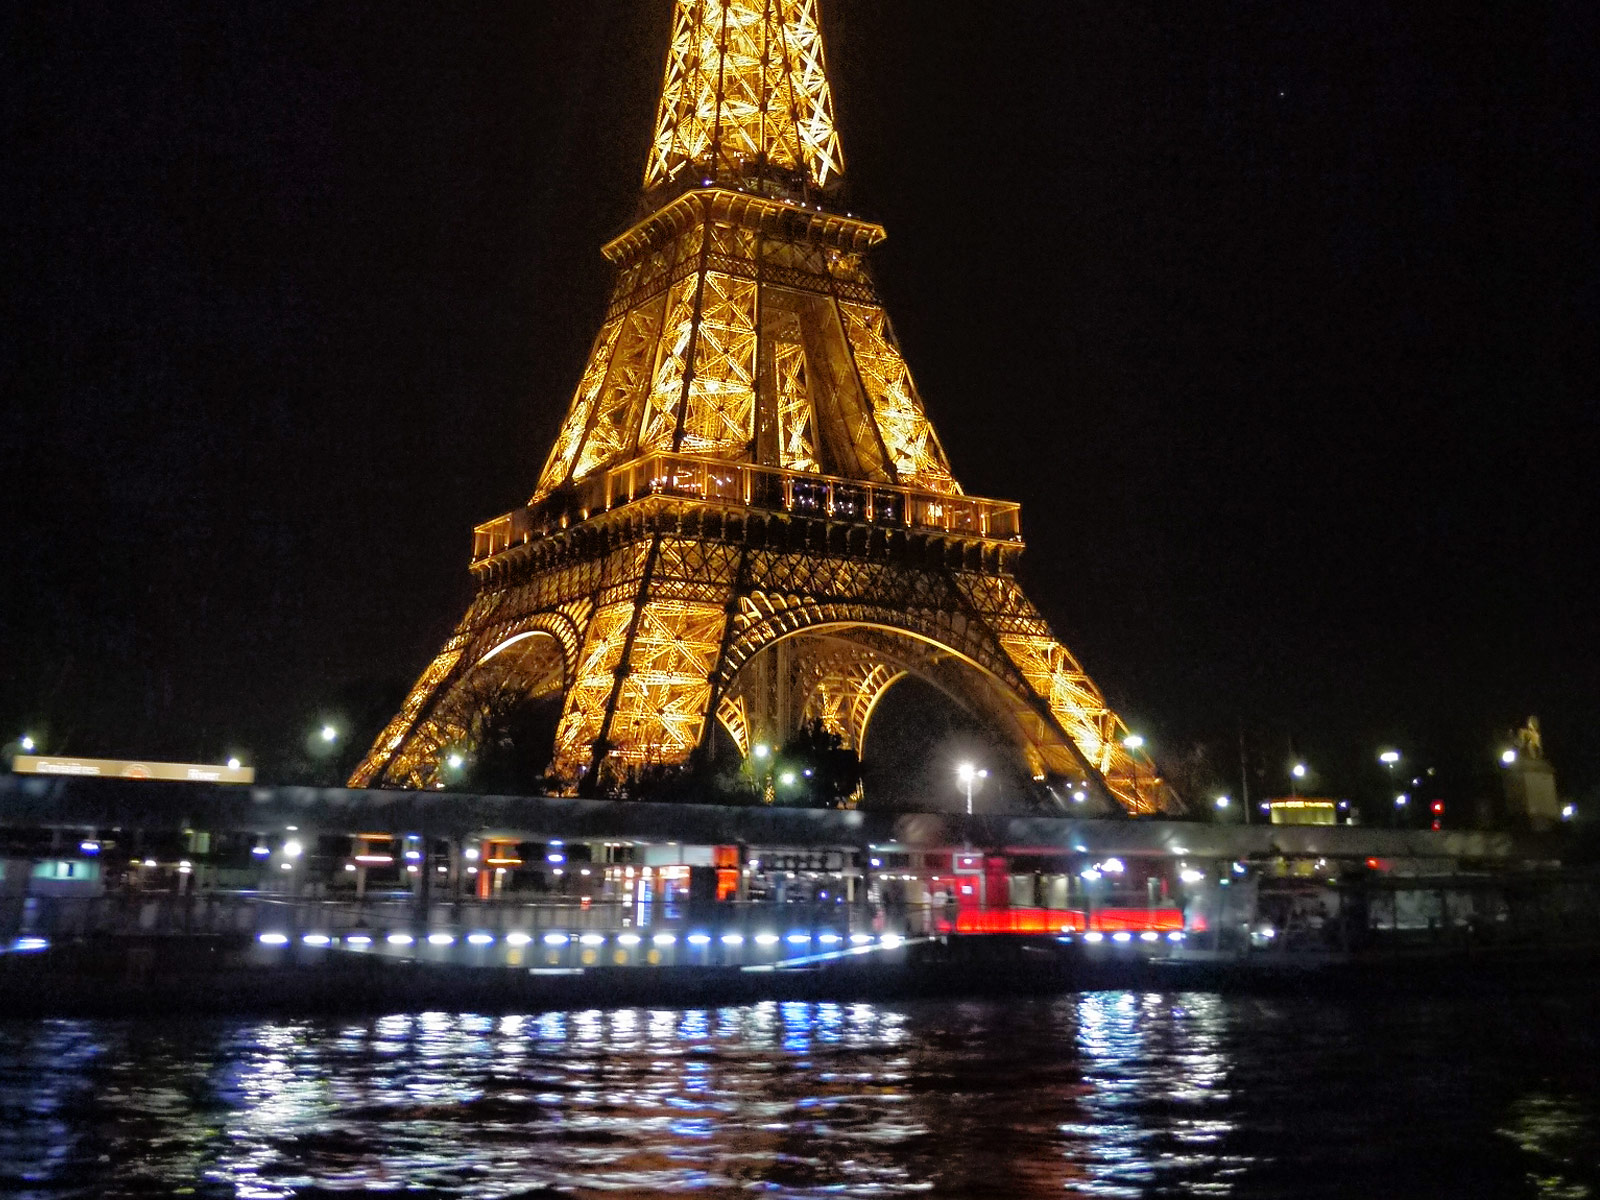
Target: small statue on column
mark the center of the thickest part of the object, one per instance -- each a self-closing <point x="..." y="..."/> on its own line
<point x="1529" y="741"/>
<point x="1530" y="780"/>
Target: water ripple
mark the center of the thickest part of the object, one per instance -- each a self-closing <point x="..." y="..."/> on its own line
<point x="1103" y="1094"/>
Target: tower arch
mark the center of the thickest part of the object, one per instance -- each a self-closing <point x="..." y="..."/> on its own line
<point x="837" y="667"/>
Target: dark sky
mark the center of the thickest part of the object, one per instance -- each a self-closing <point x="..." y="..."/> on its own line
<point x="1279" y="318"/>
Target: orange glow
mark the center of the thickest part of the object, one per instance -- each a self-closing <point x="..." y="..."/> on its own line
<point x="1047" y="920"/>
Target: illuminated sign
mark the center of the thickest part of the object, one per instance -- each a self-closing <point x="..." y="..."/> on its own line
<point x="1304" y="812"/>
<point x="116" y="768"/>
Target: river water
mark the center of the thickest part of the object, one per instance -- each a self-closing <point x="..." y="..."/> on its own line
<point x="1098" y="1094"/>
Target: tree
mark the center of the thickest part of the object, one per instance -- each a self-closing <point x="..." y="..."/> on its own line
<point x="816" y="769"/>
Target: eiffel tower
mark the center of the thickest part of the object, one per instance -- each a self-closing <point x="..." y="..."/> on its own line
<point x="747" y="516"/>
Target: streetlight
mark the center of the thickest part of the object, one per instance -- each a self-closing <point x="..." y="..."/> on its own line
<point x="1222" y="803"/>
<point x="28" y="744"/>
<point x="1507" y="757"/>
<point x="761" y="767"/>
<point x="1133" y="743"/>
<point x="1297" y="774"/>
<point x="456" y="761"/>
<point x="969" y="775"/>
<point x="330" y="734"/>
<point x="234" y="764"/>
<point x="1391" y="759"/>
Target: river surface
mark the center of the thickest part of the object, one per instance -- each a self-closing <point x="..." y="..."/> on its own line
<point x="1099" y="1094"/>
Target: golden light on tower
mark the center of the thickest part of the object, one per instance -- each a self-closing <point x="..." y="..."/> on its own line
<point x="746" y="88"/>
<point x="747" y="518"/>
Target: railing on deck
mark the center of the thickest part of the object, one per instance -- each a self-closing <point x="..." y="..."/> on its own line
<point x="223" y="914"/>
<point x="751" y="486"/>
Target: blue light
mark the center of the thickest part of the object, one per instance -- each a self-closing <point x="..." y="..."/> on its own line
<point x="555" y="858"/>
<point x="317" y="939"/>
<point x="89" y="847"/>
<point x="480" y="939"/>
<point x="798" y="939"/>
<point x="26" y="945"/>
<point x="261" y="851"/>
<point x="556" y="939"/>
<point x="699" y="939"/>
<point x="274" y="939"/>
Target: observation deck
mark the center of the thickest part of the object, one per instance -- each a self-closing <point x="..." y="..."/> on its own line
<point x="750" y="486"/>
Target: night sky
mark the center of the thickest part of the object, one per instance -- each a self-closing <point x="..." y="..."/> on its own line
<point x="1280" y="319"/>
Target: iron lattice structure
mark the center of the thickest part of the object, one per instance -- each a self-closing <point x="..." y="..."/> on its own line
<point x="747" y="516"/>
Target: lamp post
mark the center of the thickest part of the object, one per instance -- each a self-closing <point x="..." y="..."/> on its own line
<point x="762" y="764"/>
<point x="969" y="775"/>
<point x="1391" y="759"/>
<point x="1133" y="743"/>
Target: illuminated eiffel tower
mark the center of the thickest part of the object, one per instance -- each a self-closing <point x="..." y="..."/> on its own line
<point x="747" y="517"/>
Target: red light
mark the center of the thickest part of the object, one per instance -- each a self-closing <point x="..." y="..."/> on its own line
<point x="1040" y="920"/>
<point x="1438" y="808"/>
<point x="1373" y="863"/>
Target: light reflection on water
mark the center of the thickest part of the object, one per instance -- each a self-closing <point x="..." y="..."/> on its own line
<point x="1104" y="1094"/>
